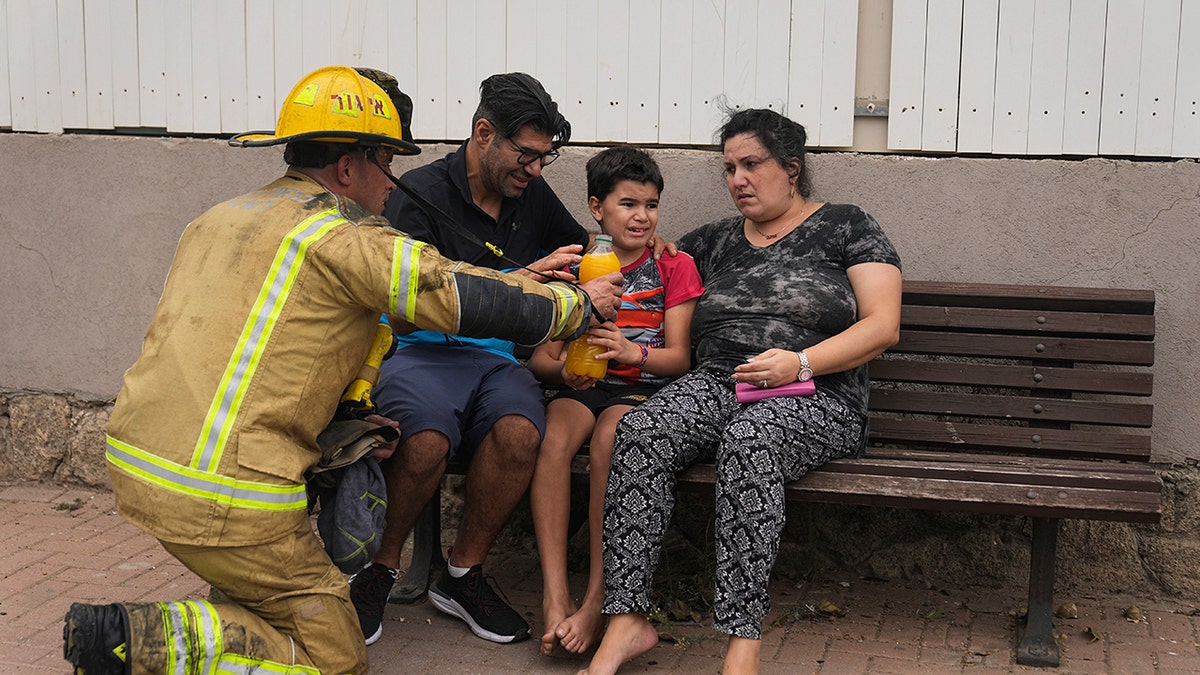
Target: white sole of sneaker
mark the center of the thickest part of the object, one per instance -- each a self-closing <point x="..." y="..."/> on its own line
<point x="374" y="637"/>
<point x="452" y="608"/>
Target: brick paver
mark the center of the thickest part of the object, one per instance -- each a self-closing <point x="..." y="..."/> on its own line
<point x="62" y="545"/>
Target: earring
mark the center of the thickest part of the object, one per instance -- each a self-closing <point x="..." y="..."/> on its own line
<point x="792" y="191"/>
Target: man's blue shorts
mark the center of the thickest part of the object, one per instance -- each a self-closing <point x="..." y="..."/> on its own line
<point x="459" y="391"/>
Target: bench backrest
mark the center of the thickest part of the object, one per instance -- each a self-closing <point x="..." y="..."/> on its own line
<point x="1032" y="370"/>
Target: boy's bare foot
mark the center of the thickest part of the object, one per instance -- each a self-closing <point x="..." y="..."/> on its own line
<point x="554" y="615"/>
<point x="628" y="636"/>
<point x="582" y="630"/>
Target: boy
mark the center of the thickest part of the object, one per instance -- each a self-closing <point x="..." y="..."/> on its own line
<point x="648" y="345"/>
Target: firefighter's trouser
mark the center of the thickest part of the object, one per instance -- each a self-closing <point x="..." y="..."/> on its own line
<point x="289" y="611"/>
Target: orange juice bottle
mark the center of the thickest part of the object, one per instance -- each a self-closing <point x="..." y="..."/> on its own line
<point x="581" y="357"/>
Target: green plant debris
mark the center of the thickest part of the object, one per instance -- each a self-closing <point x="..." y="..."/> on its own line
<point x="69" y="506"/>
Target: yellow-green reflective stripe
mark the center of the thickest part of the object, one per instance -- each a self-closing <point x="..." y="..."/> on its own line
<point x="220" y="489"/>
<point x="175" y="624"/>
<point x="208" y="627"/>
<point x="570" y="299"/>
<point x="236" y="664"/>
<point x="255" y="335"/>
<point x="406" y="273"/>
<point x="193" y="632"/>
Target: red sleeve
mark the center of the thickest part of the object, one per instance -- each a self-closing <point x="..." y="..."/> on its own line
<point x="681" y="279"/>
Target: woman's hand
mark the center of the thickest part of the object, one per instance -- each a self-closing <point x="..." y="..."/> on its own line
<point x="772" y="368"/>
<point x="659" y="246"/>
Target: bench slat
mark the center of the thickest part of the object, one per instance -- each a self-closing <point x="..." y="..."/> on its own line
<point x="1080" y="474"/>
<point x="1003" y="499"/>
<point x="1022" y="376"/>
<point x="1012" y="407"/>
<point x="1037" y="347"/>
<point x="957" y="495"/>
<point x="1131" y="495"/>
<point x="1135" y="468"/>
<point x="1062" y="298"/>
<point x="1057" y="442"/>
<point x="1137" y="326"/>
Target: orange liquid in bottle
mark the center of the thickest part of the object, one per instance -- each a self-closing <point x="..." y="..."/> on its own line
<point x="581" y="357"/>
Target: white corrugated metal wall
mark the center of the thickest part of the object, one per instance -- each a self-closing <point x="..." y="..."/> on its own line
<point x="1039" y="77"/>
<point x="1046" y="77"/>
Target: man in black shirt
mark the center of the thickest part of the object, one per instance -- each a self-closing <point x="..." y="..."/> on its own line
<point x="468" y="399"/>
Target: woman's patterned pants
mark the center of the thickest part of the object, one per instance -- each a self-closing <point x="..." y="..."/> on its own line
<point x="756" y="448"/>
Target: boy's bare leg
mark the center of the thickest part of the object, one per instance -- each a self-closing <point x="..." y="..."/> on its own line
<point x="582" y="630"/>
<point x="628" y="636"/>
<point x="568" y="424"/>
<point x="741" y="656"/>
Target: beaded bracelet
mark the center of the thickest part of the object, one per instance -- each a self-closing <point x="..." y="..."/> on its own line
<point x="645" y="355"/>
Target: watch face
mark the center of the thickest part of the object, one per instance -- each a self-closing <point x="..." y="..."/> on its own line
<point x="805" y="374"/>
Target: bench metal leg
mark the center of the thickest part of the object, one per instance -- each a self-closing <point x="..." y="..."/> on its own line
<point x="426" y="555"/>
<point x="1036" y="645"/>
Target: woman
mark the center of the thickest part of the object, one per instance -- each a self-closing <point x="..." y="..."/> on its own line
<point x="819" y="284"/>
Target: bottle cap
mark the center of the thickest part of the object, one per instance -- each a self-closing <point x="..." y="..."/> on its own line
<point x="604" y="237"/>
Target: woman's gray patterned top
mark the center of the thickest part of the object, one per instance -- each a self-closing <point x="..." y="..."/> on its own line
<point x="790" y="295"/>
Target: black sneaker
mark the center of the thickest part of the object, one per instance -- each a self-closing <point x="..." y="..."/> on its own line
<point x="369" y="592"/>
<point x="472" y="599"/>
<point x="96" y="639"/>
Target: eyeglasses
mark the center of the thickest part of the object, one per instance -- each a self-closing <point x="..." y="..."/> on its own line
<point x="528" y="156"/>
<point x="383" y="154"/>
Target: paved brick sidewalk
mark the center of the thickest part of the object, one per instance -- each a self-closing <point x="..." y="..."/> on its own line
<point x="61" y="546"/>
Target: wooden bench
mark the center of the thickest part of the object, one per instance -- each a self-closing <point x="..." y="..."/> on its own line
<point x="1000" y="399"/>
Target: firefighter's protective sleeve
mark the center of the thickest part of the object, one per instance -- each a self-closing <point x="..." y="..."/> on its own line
<point x="386" y="270"/>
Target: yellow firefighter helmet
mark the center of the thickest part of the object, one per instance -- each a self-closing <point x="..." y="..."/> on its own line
<point x="339" y="104"/>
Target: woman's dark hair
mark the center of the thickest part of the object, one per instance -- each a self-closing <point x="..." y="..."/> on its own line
<point x="621" y="162"/>
<point x="511" y="101"/>
<point x="782" y="137"/>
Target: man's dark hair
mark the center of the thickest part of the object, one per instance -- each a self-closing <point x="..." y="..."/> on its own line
<point x="316" y="154"/>
<point x="402" y="101"/>
<point x="621" y="162"/>
<point x="782" y="137"/>
<point x="511" y="101"/>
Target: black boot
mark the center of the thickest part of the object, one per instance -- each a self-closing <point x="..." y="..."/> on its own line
<point x="96" y="639"/>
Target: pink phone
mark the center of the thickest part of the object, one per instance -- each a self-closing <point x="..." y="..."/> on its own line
<point x="748" y="393"/>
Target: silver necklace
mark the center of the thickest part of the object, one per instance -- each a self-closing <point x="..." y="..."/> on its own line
<point x="773" y="237"/>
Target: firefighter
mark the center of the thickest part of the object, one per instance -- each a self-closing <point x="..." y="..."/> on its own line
<point x="268" y="311"/>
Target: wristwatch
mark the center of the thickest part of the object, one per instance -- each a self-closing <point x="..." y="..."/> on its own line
<point x="806" y="372"/>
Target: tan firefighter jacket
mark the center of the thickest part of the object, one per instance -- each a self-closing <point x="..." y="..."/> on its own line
<point x="267" y="314"/>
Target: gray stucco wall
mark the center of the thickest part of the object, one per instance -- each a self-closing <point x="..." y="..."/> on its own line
<point x="88" y="225"/>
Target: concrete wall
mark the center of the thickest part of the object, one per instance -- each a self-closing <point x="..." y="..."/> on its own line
<point x="88" y="225"/>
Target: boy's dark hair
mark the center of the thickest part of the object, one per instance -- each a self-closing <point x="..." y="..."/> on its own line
<point x="511" y="101"/>
<point x="621" y="162"/>
<point x="782" y="137"/>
